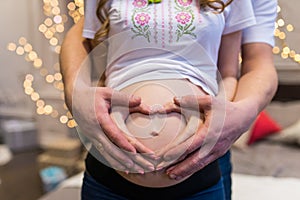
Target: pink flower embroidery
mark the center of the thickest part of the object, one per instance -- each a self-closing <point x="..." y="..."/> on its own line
<point x="142" y="18"/>
<point x="183" y="17"/>
<point x="185" y="2"/>
<point x="139" y="3"/>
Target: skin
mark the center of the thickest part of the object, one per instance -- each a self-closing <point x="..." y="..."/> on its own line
<point x="91" y="106"/>
<point x="255" y="89"/>
<point x="228" y="69"/>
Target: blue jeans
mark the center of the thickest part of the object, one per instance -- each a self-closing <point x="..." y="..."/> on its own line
<point x="92" y="190"/>
<point x="226" y="169"/>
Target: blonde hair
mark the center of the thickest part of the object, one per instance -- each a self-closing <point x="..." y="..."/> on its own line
<point x="103" y="15"/>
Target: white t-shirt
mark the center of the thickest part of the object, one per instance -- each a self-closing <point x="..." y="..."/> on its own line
<point x="173" y="39"/>
<point x="263" y="30"/>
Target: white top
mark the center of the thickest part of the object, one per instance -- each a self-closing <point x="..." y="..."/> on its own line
<point x="263" y="31"/>
<point x="173" y="39"/>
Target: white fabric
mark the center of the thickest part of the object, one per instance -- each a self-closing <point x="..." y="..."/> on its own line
<point x="264" y="11"/>
<point x="147" y="42"/>
<point x="73" y="182"/>
<point x="249" y="187"/>
<point x="263" y="31"/>
<point x="5" y="155"/>
<point x="91" y="24"/>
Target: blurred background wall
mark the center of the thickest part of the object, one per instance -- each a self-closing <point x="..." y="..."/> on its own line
<point x="30" y="82"/>
<point x="32" y="110"/>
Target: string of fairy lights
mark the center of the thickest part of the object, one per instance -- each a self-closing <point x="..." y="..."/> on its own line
<point x="282" y="28"/>
<point x="51" y="28"/>
<point x="54" y="25"/>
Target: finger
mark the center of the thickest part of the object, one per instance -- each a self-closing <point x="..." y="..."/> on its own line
<point x="114" y="151"/>
<point x="192" y="143"/>
<point x="194" y="102"/>
<point x="117" y="98"/>
<point x="118" y="118"/>
<point x="140" y="147"/>
<point x="169" y="107"/>
<point x="176" y="152"/>
<point x="187" y="147"/>
<point x="189" y="166"/>
<point x="123" y="99"/>
<point x="144" y="163"/>
<point x="110" y="160"/>
<point x="137" y="169"/>
<point x="190" y="129"/>
<point x="142" y="108"/>
<point x="113" y="132"/>
<point x="163" y="165"/>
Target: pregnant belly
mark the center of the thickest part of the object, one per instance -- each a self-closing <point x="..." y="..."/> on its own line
<point x="158" y="130"/>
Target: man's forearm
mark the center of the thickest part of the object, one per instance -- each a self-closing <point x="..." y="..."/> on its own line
<point x="259" y="81"/>
<point x="74" y="51"/>
<point x="228" y="64"/>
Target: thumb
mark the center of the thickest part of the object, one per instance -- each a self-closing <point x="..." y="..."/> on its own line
<point x="123" y="99"/>
<point x="194" y="102"/>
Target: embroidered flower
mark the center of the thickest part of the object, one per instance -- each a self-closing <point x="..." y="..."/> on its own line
<point x="183" y="17"/>
<point x="139" y="3"/>
<point x="142" y="18"/>
<point x="185" y="2"/>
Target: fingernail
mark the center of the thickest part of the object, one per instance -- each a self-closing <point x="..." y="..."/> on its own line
<point x="127" y="172"/>
<point x="141" y="171"/>
<point x="172" y="176"/>
<point x="152" y="155"/>
<point x="178" y="178"/>
<point x="177" y="99"/>
<point x="150" y="168"/>
<point x="136" y="98"/>
<point x="158" y="168"/>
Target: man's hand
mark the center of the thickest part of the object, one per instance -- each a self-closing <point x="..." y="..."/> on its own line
<point x="194" y="119"/>
<point x="91" y="109"/>
<point x="224" y="122"/>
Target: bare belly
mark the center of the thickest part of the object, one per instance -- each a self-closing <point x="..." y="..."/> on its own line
<point x="158" y="130"/>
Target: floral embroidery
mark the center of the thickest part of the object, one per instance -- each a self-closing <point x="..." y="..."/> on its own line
<point x="140" y="3"/>
<point x="184" y="2"/>
<point x="181" y="19"/>
<point x="170" y="15"/>
<point x="140" y="19"/>
<point x="185" y="18"/>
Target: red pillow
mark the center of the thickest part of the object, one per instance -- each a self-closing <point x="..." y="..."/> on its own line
<point x="263" y="126"/>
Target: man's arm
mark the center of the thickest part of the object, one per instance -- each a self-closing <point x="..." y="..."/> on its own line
<point x="258" y="82"/>
<point x="74" y="51"/>
<point x="255" y="90"/>
<point x="229" y="68"/>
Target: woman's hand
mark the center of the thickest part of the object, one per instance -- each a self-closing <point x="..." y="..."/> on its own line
<point x="91" y="109"/>
<point x="224" y="122"/>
